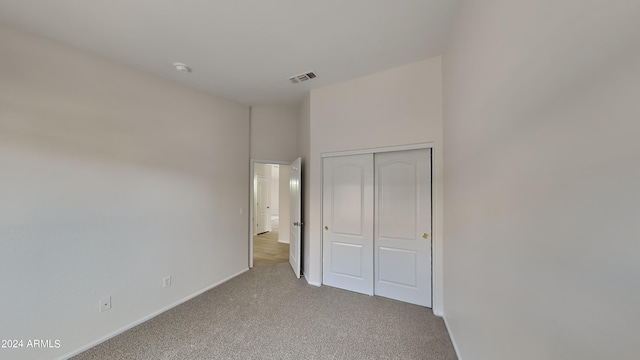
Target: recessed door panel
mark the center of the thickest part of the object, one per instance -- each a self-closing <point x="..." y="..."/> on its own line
<point x="346" y="259"/>
<point x="347" y="206"/>
<point x="397" y="266"/>
<point x="398" y="199"/>
<point x="347" y="211"/>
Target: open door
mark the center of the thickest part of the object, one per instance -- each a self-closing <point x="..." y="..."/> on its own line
<point x="295" y="224"/>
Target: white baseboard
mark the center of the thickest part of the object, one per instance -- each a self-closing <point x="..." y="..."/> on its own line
<point x="148" y="317"/>
<point x="283" y="242"/>
<point x="453" y="341"/>
<point x="311" y="282"/>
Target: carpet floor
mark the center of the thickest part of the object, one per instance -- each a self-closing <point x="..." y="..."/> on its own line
<point x="266" y="313"/>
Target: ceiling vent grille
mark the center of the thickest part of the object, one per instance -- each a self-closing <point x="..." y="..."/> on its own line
<point x="302" y="77"/>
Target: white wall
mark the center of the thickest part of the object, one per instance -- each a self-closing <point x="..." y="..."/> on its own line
<point x="275" y="189"/>
<point x="274" y="132"/>
<point x="285" y="212"/>
<point x="111" y="180"/>
<point x="304" y="123"/>
<point x="542" y="258"/>
<point x="395" y="107"/>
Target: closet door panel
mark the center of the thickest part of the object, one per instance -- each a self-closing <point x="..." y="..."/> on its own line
<point x="403" y="226"/>
<point x="347" y="212"/>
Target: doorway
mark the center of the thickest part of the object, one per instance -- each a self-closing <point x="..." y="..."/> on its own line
<point x="271" y="209"/>
<point x="289" y="219"/>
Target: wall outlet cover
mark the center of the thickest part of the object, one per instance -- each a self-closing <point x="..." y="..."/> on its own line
<point x="105" y="304"/>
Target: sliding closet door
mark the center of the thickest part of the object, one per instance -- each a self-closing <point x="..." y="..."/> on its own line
<point x="403" y="226"/>
<point x="348" y="223"/>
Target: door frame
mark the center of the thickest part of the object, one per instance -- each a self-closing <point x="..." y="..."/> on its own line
<point x="436" y="252"/>
<point x="251" y="209"/>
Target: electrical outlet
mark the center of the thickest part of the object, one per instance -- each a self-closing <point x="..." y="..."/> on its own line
<point x="166" y="281"/>
<point x="105" y="304"/>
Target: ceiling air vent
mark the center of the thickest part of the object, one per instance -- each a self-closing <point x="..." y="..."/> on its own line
<point x="302" y="77"/>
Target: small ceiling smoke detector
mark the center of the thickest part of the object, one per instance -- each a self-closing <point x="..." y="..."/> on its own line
<point x="302" y="77"/>
<point x="182" y="67"/>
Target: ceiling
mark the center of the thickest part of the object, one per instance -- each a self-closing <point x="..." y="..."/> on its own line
<point x="245" y="50"/>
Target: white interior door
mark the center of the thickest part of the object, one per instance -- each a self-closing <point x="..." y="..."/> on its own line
<point x="295" y="223"/>
<point x="403" y="226"/>
<point x="347" y="214"/>
<point x="263" y="204"/>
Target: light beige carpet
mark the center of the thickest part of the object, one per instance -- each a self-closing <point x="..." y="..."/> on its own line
<point x="266" y="313"/>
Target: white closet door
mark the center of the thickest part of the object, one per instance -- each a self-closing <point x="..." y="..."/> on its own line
<point x="403" y="226"/>
<point x="348" y="223"/>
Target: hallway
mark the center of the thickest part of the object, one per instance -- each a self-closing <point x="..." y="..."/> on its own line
<point x="267" y="250"/>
